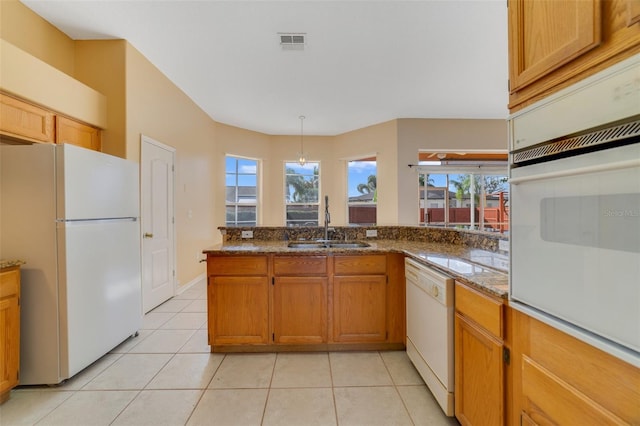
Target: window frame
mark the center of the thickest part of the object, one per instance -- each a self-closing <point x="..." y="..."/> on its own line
<point x="236" y="204"/>
<point x="287" y="204"/>
<point x="478" y="172"/>
<point x="366" y="158"/>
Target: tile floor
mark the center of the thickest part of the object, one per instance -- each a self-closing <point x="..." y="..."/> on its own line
<point x="167" y="376"/>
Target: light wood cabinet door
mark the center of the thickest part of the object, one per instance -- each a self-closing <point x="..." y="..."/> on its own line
<point x="479" y="375"/>
<point x="73" y="132"/>
<point x="238" y="310"/>
<point x="9" y="330"/>
<point x="21" y="120"/>
<point x="360" y="308"/>
<point x="553" y="44"/>
<point x="300" y="310"/>
<point x="545" y="34"/>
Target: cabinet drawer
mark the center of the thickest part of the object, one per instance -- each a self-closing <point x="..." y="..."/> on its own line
<point x="484" y="310"/>
<point x="300" y="265"/>
<point x="237" y="265"/>
<point x="359" y="265"/>
<point x="549" y="400"/>
<point x="9" y="282"/>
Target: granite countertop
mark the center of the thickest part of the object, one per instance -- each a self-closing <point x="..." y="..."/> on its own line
<point x="482" y="269"/>
<point x="7" y="263"/>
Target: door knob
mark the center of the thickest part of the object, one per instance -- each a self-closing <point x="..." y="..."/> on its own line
<point x="148" y="235"/>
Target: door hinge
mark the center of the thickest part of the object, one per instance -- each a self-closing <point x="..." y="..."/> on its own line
<point x="273" y="280"/>
<point x="386" y="335"/>
<point x="387" y="279"/>
<point x="273" y="337"/>
<point x="506" y="356"/>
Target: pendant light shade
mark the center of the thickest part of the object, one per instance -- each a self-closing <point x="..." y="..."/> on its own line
<point x="302" y="160"/>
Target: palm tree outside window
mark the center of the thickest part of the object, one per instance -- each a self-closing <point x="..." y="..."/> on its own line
<point x="362" y="182"/>
<point x="302" y="194"/>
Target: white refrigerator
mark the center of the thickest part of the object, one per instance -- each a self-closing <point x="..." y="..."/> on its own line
<point x="73" y="215"/>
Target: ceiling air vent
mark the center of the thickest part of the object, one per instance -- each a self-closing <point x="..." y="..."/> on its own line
<point x="292" y="41"/>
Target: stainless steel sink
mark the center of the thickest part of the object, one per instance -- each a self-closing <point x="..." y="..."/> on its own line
<point x="327" y="244"/>
<point x="348" y="244"/>
<point x="307" y="244"/>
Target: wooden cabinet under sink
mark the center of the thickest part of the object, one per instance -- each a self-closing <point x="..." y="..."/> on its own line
<point x="275" y="302"/>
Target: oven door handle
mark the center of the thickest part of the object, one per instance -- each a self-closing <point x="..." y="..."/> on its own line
<point x="577" y="171"/>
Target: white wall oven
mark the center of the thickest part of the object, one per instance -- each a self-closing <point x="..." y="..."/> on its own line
<point x="575" y="210"/>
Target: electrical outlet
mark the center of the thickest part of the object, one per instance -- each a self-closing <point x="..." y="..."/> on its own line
<point x="247" y="234"/>
<point x="372" y="233"/>
<point x="503" y="245"/>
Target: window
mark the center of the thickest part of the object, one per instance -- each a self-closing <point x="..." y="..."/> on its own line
<point x="362" y="191"/>
<point x="446" y="200"/>
<point x="301" y="193"/>
<point x="241" y="191"/>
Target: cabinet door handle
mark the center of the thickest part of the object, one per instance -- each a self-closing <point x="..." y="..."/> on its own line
<point x="148" y="235"/>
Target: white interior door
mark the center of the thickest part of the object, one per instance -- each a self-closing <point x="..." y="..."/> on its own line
<point x="157" y="224"/>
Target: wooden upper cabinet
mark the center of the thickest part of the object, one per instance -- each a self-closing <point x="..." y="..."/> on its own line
<point x="553" y="43"/>
<point x="21" y="120"/>
<point x="546" y="34"/>
<point x="73" y="132"/>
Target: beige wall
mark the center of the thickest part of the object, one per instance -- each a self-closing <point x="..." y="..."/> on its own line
<point x="29" y="32"/>
<point x="101" y="65"/>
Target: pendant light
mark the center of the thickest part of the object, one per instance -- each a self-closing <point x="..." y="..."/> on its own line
<point x="301" y="158"/>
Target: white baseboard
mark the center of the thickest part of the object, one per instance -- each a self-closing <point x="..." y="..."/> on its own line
<point x="200" y="278"/>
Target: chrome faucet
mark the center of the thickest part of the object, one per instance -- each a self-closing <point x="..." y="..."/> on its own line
<point x="327" y="217"/>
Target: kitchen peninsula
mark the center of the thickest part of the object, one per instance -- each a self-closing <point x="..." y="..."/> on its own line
<point x="266" y="296"/>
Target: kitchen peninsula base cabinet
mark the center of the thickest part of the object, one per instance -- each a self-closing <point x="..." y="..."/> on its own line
<point x="300" y="299"/>
<point x="562" y="380"/>
<point x="9" y="330"/>
<point x="305" y="302"/>
<point x="238" y="300"/>
<point x="481" y="358"/>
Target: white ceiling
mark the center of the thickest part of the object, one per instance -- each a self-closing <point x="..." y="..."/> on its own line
<point x="364" y="62"/>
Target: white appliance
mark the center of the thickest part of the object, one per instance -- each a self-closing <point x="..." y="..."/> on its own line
<point x="430" y="322"/>
<point x="575" y="210"/>
<point x="72" y="215"/>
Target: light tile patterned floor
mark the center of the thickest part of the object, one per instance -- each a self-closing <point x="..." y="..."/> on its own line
<point x="167" y="376"/>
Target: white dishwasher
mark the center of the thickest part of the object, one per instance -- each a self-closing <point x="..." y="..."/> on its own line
<point x="430" y="311"/>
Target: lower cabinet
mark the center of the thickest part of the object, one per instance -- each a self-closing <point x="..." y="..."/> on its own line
<point x="248" y="321"/>
<point x="480" y="355"/>
<point x="305" y="302"/>
<point x="300" y="286"/>
<point x="359" y="313"/>
<point x="360" y="298"/>
<point x="9" y="330"/>
<point x="238" y="300"/>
